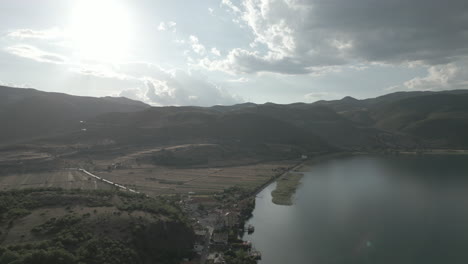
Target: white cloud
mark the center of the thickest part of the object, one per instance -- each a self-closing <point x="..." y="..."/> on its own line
<point x="101" y="71"/>
<point x="186" y="89"/>
<point x="439" y="77"/>
<point x="31" y="52"/>
<point x="51" y="33"/>
<point x="154" y="85"/>
<point x="231" y="6"/>
<point x="196" y="46"/>
<point x="134" y="94"/>
<point x="211" y="10"/>
<point x="239" y="80"/>
<point x="243" y="61"/>
<point x="167" y="26"/>
<point x="215" y="51"/>
<point x="16" y="85"/>
<point x="317" y="96"/>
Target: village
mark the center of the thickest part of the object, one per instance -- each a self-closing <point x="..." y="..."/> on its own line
<point x="219" y="224"/>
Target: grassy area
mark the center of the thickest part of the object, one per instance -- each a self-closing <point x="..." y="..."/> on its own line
<point x="285" y="188"/>
<point x="156" y="180"/>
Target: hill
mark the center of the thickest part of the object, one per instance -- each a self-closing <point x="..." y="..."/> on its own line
<point x="440" y="119"/>
<point x="27" y="114"/>
<point x="235" y="134"/>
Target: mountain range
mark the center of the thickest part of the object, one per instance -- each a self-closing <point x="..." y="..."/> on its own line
<point x="402" y="120"/>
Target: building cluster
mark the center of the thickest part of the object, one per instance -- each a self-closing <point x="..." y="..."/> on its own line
<point x="218" y="223"/>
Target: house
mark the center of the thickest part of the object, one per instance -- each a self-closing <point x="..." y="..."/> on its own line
<point x="198" y="248"/>
<point x="230" y="219"/>
<point x="220" y="238"/>
<point x="201" y="235"/>
<point x="218" y="222"/>
<point x="215" y="258"/>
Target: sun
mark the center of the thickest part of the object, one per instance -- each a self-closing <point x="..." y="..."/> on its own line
<point x="101" y="30"/>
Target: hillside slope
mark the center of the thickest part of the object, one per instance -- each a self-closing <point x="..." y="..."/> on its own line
<point x="240" y="132"/>
<point x="58" y="226"/>
<point x="27" y="114"/>
<point x="440" y="119"/>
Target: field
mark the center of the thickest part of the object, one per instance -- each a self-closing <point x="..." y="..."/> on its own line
<point x="177" y="169"/>
<point x="162" y="180"/>
<point x="153" y="180"/>
<point x="66" y="179"/>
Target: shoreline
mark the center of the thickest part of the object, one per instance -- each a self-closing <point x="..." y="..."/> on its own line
<point x="299" y="165"/>
<point x="288" y="183"/>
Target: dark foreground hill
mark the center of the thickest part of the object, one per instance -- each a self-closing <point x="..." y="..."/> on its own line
<point x="27" y="114"/>
<point x="67" y="227"/>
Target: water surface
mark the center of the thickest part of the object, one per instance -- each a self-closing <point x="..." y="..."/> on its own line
<point x="363" y="209"/>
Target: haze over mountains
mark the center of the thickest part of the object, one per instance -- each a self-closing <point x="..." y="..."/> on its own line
<point x="394" y="121"/>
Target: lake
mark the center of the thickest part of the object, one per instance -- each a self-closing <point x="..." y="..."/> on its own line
<point x="364" y="209"/>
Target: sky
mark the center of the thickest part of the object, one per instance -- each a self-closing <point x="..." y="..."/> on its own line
<point x="209" y="52"/>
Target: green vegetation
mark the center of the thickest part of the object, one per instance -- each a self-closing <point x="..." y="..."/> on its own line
<point x="54" y="225"/>
<point x="285" y="188"/>
<point x="238" y="257"/>
<point x="90" y="227"/>
<point x="171" y="158"/>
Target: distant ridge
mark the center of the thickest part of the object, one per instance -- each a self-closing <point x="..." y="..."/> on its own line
<point x="28" y="113"/>
<point x="439" y="118"/>
<point x="393" y="121"/>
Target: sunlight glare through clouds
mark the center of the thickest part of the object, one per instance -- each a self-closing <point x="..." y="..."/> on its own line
<point x="101" y="30"/>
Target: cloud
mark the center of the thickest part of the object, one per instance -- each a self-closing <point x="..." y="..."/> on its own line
<point x="16" y="85"/>
<point x="169" y="26"/>
<point x="301" y="35"/>
<point x="317" y="96"/>
<point x="231" y="6"/>
<point x="31" y="52"/>
<point x="215" y="51"/>
<point x="239" y="80"/>
<point x="52" y="33"/>
<point x="196" y="46"/>
<point x="134" y="94"/>
<point x="185" y="89"/>
<point x="101" y="71"/>
<point x="243" y="61"/>
<point x="155" y="85"/>
<point x="439" y="77"/>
